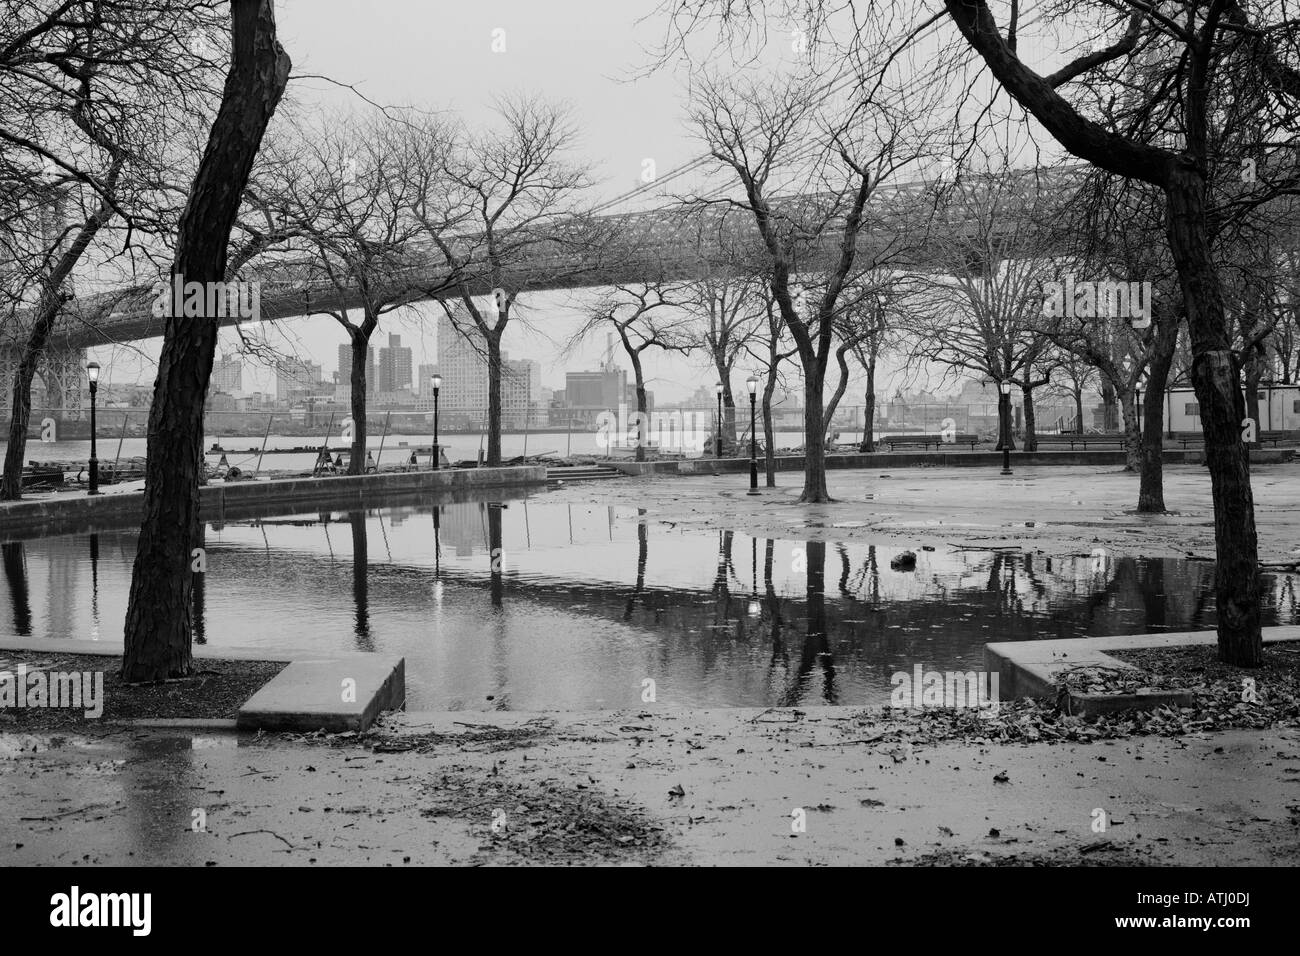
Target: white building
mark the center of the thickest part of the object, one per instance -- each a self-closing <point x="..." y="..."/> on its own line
<point x="1279" y="409"/>
<point x="463" y="398"/>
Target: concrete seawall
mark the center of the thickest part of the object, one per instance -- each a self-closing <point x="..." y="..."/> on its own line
<point x="219" y="501"/>
<point x="978" y="459"/>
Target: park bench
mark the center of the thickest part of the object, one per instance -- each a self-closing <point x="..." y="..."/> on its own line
<point x="925" y="441"/>
<point x="1263" y="438"/>
<point x="1100" y="438"/>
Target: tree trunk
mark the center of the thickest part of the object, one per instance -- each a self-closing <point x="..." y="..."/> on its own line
<point x="157" y="631"/>
<point x="728" y="401"/>
<point x="642" y="417"/>
<point x="11" y="486"/>
<point x="1216" y="380"/>
<point x="769" y="433"/>
<point x="814" y="466"/>
<point x="1031" y="436"/>
<point x="869" y="407"/>
<point x="1107" y="406"/>
<point x="1078" y="409"/>
<point x="829" y="413"/>
<point x="1151" y="488"/>
<point x="494" y="400"/>
<point x="1132" y="430"/>
<point x="360" y="363"/>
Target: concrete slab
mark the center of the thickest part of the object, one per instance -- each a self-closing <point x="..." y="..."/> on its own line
<point x="1030" y="668"/>
<point x="115" y="649"/>
<point x="306" y="696"/>
<point x="330" y="695"/>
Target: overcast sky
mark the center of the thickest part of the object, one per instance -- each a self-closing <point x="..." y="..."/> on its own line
<point x="439" y="55"/>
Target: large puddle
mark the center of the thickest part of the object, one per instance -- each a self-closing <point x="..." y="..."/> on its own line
<point x="529" y="605"/>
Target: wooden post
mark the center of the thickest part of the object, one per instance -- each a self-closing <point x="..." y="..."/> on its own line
<point x="121" y="438"/>
<point x="260" y="454"/>
<point x="329" y="430"/>
<point x="388" y="415"/>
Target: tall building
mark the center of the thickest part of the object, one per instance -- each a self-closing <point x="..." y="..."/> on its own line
<point x="295" y="379"/>
<point x="587" y="394"/>
<point x="394" y="370"/>
<point x="521" y="394"/>
<point x="463" y="399"/>
<point x="228" y="375"/>
<point x="344" y="391"/>
<point x="425" y="375"/>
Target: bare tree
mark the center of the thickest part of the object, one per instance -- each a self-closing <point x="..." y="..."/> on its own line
<point x="1204" y="51"/>
<point x="770" y="350"/>
<point x="89" y="94"/>
<point x="645" y="316"/>
<point x="977" y="306"/>
<point x="1143" y="93"/>
<point x="158" y="615"/>
<point x="773" y="136"/>
<point x="354" y="197"/>
<point x="516" y="194"/>
<point x="729" y="300"/>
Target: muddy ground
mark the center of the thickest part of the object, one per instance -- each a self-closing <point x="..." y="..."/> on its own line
<point x="742" y="787"/>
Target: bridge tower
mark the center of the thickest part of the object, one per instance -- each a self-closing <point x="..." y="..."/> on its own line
<point x="58" y="389"/>
<point x="63" y="373"/>
<point x="8" y="369"/>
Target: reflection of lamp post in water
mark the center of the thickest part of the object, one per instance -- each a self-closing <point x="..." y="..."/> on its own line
<point x="92" y="372"/>
<point x="752" y="384"/>
<point x="754" y="606"/>
<point x="437" y="384"/>
<point x="437" y="554"/>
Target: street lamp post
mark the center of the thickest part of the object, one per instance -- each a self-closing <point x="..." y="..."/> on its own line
<point x="437" y="384"/>
<point x="92" y="372"/>
<point x="1006" y="427"/>
<point x="718" y="443"/>
<point x="752" y="384"/>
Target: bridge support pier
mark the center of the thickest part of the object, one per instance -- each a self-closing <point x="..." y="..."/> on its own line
<point x="59" y="387"/>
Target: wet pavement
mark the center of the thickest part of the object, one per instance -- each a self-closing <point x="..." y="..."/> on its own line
<point x="698" y="787"/>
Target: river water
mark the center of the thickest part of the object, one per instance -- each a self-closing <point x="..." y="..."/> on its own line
<point x="243" y="451"/>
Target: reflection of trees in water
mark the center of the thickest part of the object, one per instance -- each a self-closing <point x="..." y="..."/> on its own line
<point x="642" y="554"/>
<point x="361" y="580"/>
<point x="94" y="585"/>
<point x="15" y="564"/>
<point x="1279" y="596"/>
<point x="198" y="593"/>
<point x="773" y="617"/>
<point x="874" y="617"/>
<point x="816" y="642"/>
<point x="500" y="635"/>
